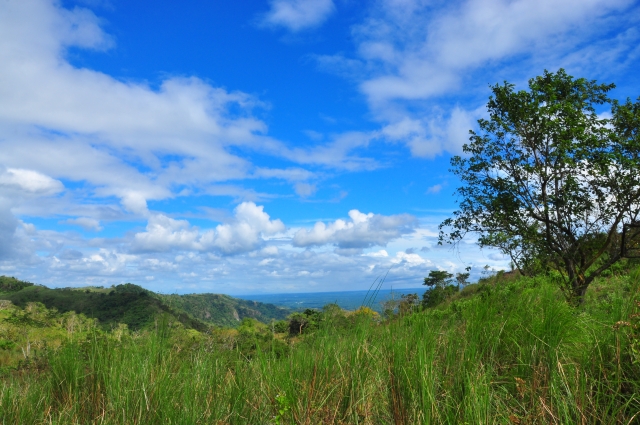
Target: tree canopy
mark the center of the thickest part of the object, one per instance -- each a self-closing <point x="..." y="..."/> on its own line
<point x="551" y="177"/>
<point x="438" y="279"/>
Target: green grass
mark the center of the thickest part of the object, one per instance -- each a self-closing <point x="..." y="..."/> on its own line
<point x="510" y="352"/>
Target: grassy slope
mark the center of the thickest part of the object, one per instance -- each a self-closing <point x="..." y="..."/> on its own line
<point x="505" y="352"/>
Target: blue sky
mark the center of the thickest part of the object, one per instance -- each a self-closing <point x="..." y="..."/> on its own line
<point x="263" y="146"/>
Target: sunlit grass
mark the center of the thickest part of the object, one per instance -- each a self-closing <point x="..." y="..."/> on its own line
<point x="514" y="353"/>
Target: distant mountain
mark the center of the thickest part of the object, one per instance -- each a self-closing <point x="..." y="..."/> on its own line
<point x="138" y="307"/>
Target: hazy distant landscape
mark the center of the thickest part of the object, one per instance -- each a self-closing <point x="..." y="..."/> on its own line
<point x="347" y="300"/>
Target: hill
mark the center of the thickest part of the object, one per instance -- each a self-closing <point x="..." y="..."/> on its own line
<point x="137" y="307"/>
<point x="224" y="310"/>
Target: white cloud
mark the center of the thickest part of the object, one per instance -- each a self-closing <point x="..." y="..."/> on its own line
<point x="411" y="260"/>
<point x="436" y="188"/>
<point x="289" y="174"/>
<point x="430" y="136"/>
<point x="270" y="251"/>
<point x="186" y="258"/>
<point x="410" y="54"/>
<point x="297" y="15"/>
<point x="244" y="233"/>
<point x="85" y="222"/>
<point x="28" y="181"/>
<point x="84" y="126"/>
<point x="362" y="231"/>
<point x="164" y="233"/>
<point x="381" y="253"/>
<point x="8" y="225"/>
<point x="337" y="153"/>
<point x="427" y="52"/>
<point x="305" y="190"/>
<point x="125" y="139"/>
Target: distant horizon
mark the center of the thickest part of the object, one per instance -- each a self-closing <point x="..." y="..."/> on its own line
<point x="241" y="295"/>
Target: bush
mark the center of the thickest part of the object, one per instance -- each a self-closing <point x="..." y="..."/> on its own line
<point x="438" y="295"/>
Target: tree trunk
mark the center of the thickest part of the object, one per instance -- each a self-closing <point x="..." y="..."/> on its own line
<point x="579" y="289"/>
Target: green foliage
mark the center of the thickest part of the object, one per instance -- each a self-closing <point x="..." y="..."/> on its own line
<point x="11" y="284"/>
<point x="511" y="351"/>
<point x="305" y="322"/>
<point x="438" y="278"/>
<point x="7" y="345"/>
<point x="139" y="308"/>
<point x="223" y="310"/>
<point x="463" y="278"/>
<point x="440" y="290"/>
<point x="283" y="407"/>
<point x="128" y="304"/>
<point x="548" y="180"/>
<point x="438" y="295"/>
<point x="281" y="326"/>
<point x="408" y="304"/>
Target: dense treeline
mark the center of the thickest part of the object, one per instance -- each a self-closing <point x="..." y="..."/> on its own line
<point x="506" y="350"/>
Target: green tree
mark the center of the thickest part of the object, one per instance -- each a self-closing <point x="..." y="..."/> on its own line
<point x="463" y="278"/>
<point x="439" y="282"/>
<point x="438" y="279"/>
<point x="549" y="181"/>
<point x="408" y="304"/>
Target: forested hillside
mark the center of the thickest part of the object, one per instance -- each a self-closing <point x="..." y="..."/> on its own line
<point x="137" y="307"/>
<point x="224" y="310"/>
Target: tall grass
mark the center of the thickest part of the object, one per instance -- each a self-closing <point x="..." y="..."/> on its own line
<point x="515" y="353"/>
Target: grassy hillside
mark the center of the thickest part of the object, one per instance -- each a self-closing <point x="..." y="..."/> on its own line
<point x="505" y="351"/>
<point x="137" y="307"/>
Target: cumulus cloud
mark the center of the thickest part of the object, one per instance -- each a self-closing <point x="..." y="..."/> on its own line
<point x="362" y="231"/>
<point x="28" y="182"/>
<point x="185" y="258"/>
<point x="297" y="15"/>
<point x="410" y="259"/>
<point x="84" y="126"/>
<point x="244" y="233"/>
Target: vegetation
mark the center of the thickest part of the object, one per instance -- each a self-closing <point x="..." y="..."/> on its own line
<point x="139" y="308"/>
<point x="508" y="350"/>
<point x="441" y="288"/>
<point x="11" y="284"/>
<point x="550" y="181"/>
<point x="223" y="310"/>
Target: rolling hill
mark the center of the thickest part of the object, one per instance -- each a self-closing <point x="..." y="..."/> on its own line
<point x="137" y="307"/>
